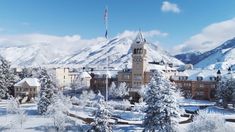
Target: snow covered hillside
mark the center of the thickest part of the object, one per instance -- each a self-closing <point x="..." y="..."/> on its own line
<point x="117" y="50"/>
<point x="221" y="57"/>
<point x="30" y="55"/>
<point x="189" y="57"/>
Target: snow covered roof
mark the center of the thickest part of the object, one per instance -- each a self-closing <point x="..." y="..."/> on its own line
<point x="194" y="74"/>
<point x="102" y="73"/>
<point x="29" y="81"/>
<point x="159" y="67"/>
<point x="84" y="75"/>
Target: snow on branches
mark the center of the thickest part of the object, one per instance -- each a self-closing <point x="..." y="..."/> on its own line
<point x="102" y="116"/>
<point x="162" y="109"/>
<point x="7" y="78"/>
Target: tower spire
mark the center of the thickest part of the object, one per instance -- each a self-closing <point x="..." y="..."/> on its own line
<point x="139" y="38"/>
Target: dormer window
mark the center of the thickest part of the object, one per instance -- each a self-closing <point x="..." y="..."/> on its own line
<point x="212" y="78"/>
<point x="199" y="78"/>
<point x="183" y="77"/>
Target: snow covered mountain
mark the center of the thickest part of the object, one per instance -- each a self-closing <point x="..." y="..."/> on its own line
<point x="30" y="55"/>
<point x="189" y="57"/>
<point x="117" y="50"/>
<point x="221" y="57"/>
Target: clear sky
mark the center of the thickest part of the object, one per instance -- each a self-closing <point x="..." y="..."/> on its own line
<point x="85" y="17"/>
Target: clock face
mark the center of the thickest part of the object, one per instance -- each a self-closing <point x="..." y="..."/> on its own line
<point x="137" y="59"/>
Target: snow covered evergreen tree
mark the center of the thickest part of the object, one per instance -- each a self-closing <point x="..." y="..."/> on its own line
<point x="162" y="109"/>
<point x="12" y="105"/>
<point x="7" y="78"/>
<point x="47" y="92"/>
<point x="112" y="90"/>
<point x="225" y="92"/>
<point x="76" y="85"/>
<point x="102" y="115"/>
<point x="58" y="111"/>
<point x="86" y="98"/>
<point x="26" y="73"/>
<point x="209" y="122"/>
<point x="118" y="92"/>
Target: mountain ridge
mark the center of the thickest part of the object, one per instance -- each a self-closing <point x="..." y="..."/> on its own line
<point x="117" y="49"/>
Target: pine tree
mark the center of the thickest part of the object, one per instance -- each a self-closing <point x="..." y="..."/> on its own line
<point x="102" y="115"/>
<point x="12" y="105"/>
<point x="58" y="110"/>
<point x="47" y="91"/>
<point x="112" y="91"/>
<point x="162" y="109"/>
<point x="209" y="122"/>
<point x="26" y="73"/>
<point x="7" y="78"/>
<point x="225" y="91"/>
<point x="118" y="92"/>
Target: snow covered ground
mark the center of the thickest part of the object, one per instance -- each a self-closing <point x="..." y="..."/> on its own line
<point x="34" y="122"/>
<point x="38" y="123"/>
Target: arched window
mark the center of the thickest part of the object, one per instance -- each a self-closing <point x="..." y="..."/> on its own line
<point x="137" y="50"/>
<point x="141" y="50"/>
<point x="134" y="51"/>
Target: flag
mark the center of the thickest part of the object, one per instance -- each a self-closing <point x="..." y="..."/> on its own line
<point x="106" y="34"/>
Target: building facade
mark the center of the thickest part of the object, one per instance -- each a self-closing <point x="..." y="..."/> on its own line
<point x="27" y="87"/>
<point x="65" y="77"/>
<point x="138" y="75"/>
<point x="198" y="83"/>
<point x="101" y="78"/>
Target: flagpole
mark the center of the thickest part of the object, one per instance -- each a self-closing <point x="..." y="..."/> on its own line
<point x="107" y="75"/>
<point x="106" y="36"/>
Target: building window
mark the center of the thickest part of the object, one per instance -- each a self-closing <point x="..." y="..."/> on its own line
<point x="200" y="93"/>
<point x="201" y="85"/>
<point x="212" y="78"/>
<point x="138" y="77"/>
<point x="187" y="84"/>
<point x="199" y="78"/>
<point x="134" y="51"/>
<point x="183" y="77"/>
<point x="179" y="84"/>
<point x="126" y="77"/>
<point x="213" y="86"/>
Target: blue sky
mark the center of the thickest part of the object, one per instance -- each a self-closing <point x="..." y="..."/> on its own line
<point x="85" y="17"/>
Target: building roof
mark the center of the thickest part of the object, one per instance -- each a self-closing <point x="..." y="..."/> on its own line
<point x="102" y="73"/>
<point x="84" y="75"/>
<point x="159" y="67"/>
<point x="193" y="74"/>
<point x="29" y="81"/>
<point x="206" y="74"/>
<point x="139" y="38"/>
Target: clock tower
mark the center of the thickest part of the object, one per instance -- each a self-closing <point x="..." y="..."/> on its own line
<point x="139" y="62"/>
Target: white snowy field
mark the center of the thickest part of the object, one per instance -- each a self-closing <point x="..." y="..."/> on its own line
<point x="37" y="123"/>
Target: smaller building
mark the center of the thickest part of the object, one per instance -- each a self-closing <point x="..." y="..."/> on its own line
<point x="197" y="83"/>
<point x="98" y="80"/>
<point x="62" y="77"/>
<point x="27" y="87"/>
